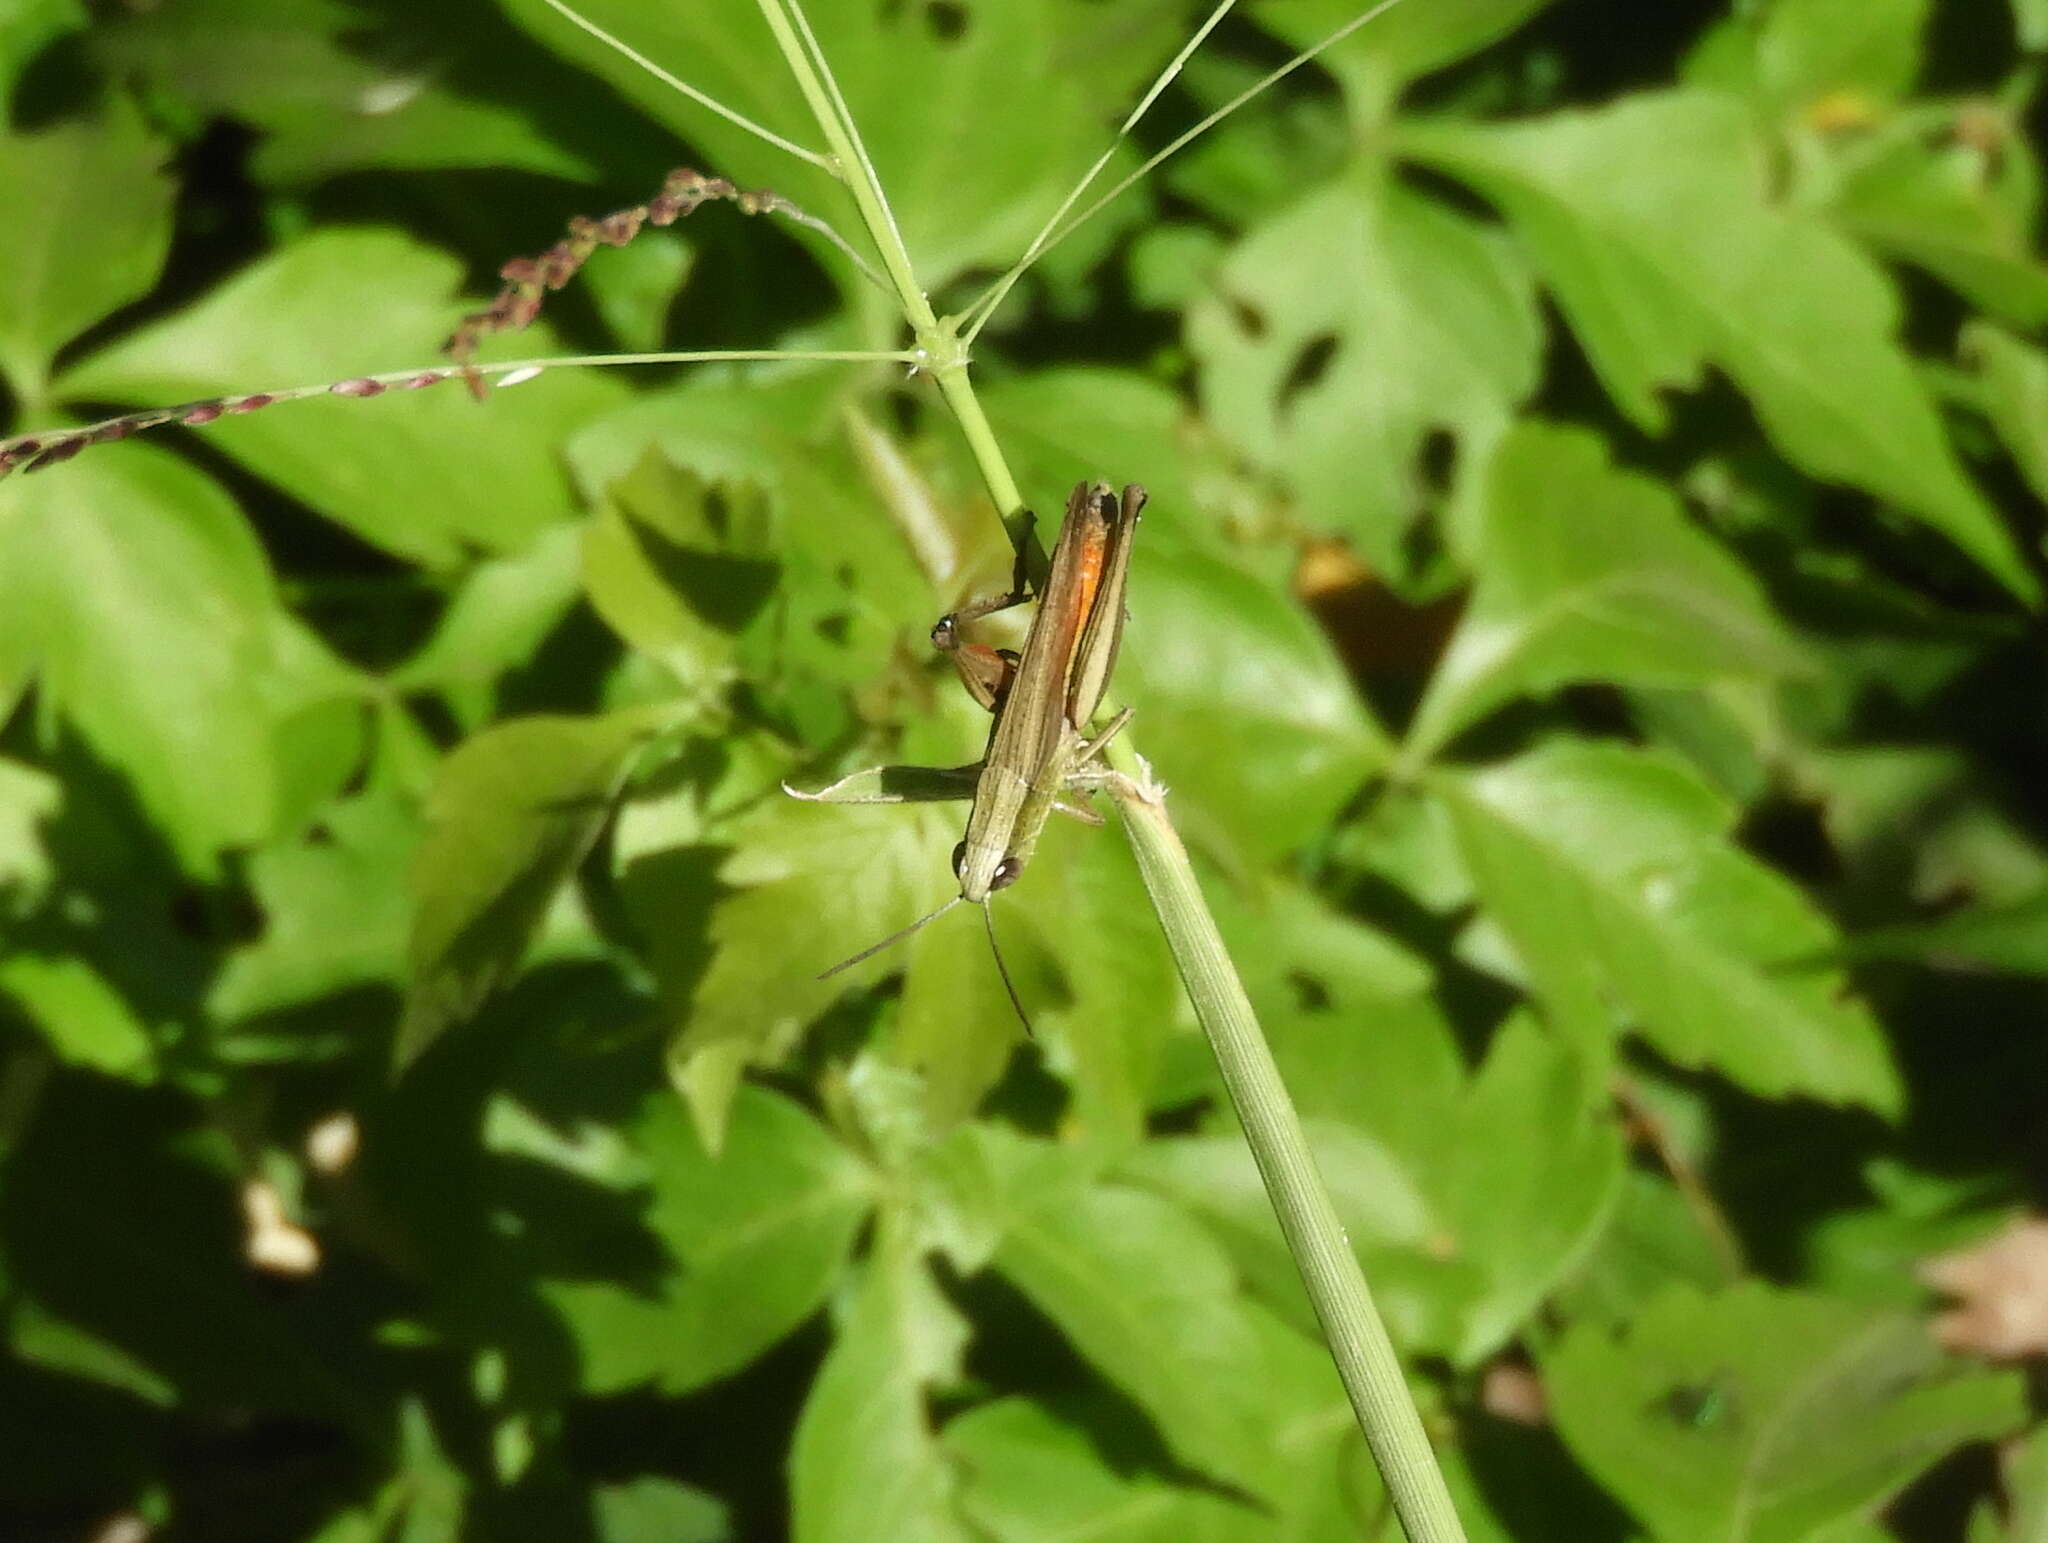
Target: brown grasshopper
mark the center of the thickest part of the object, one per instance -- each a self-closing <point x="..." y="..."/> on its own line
<point x="1043" y="700"/>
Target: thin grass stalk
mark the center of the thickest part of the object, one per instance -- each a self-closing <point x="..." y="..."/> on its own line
<point x="1357" y="1337"/>
<point x="1366" y="1361"/>
<point x="944" y="358"/>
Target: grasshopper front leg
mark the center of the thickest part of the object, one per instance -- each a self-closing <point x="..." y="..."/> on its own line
<point x="985" y="672"/>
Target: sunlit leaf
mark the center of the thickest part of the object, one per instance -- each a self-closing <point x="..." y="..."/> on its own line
<point x="808" y="886"/>
<point x="102" y="224"/>
<point x="865" y="1466"/>
<point x="512" y="812"/>
<point x="1014" y="101"/>
<point x="1405" y="40"/>
<point x="1611" y="872"/>
<point x="27" y="798"/>
<point x="1942" y="209"/>
<point x="2015" y="376"/>
<point x="79" y="1015"/>
<point x="135" y="587"/>
<point x="677" y="569"/>
<point x="1060" y="427"/>
<point x="1241" y="705"/>
<point x="425" y="475"/>
<point x="504" y="609"/>
<point x="1763" y="1414"/>
<point x="1347" y="330"/>
<point x="333" y="89"/>
<point x="1859" y="54"/>
<point x="1031" y="1478"/>
<point x="1586" y="573"/>
<point x="2003" y="938"/>
<point x="848" y="593"/>
<point x="1650" y="224"/>
<point x="1534" y="1178"/>
<point x="658" y="1510"/>
<point x="754" y="1239"/>
<point x="2032" y="19"/>
<point x="1142" y="1291"/>
<point x="335" y="910"/>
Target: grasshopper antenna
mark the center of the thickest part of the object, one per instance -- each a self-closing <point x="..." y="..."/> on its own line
<point x="988" y="920"/>
<point x="897" y="937"/>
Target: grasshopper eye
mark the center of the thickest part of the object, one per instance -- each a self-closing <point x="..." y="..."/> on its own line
<point x="959" y="857"/>
<point x="1006" y="874"/>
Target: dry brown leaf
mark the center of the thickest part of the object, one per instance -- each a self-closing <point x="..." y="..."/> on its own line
<point x="2001" y="1292"/>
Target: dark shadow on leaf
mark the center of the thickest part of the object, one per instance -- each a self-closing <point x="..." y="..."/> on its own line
<point x="726" y="591"/>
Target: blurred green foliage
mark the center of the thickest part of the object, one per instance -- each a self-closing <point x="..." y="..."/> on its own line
<point x="1586" y="617"/>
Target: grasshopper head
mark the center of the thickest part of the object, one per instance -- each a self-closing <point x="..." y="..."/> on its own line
<point x="979" y="877"/>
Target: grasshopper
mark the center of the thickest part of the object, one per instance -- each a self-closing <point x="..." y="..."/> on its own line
<point x="1043" y="699"/>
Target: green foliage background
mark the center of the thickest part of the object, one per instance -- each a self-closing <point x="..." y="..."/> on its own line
<point x="1587" y="616"/>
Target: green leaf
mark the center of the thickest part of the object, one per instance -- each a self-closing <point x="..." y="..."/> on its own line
<point x="635" y="289"/>
<point x="1653" y="1239"/>
<point x="511" y="813"/>
<point x="102" y="225"/>
<point x="1943" y="210"/>
<point x="2031" y="18"/>
<point x="2004" y="938"/>
<point x="1533" y="1181"/>
<point x="335" y="910"/>
<point x="1404" y="42"/>
<point x="1242" y="705"/>
<point x="848" y="595"/>
<point x="2015" y="381"/>
<point x="1872" y="1252"/>
<point x="1141" y="1290"/>
<point x="423" y="1501"/>
<point x="1966" y="840"/>
<point x="674" y="567"/>
<point x="1650" y="224"/>
<point x="755" y="1239"/>
<point x="1345" y="331"/>
<point x="41" y="1338"/>
<point x="333" y="87"/>
<point x="427" y="476"/>
<point x="1380" y="1199"/>
<point x="865" y="1466"/>
<point x="1012" y="102"/>
<point x="1864" y="50"/>
<point x="26" y="28"/>
<point x="656" y="1510"/>
<point x="79" y="1014"/>
<point x="1463" y="1232"/>
<point x="1063" y="426"/>
<point x="2023" y="1465"/>
<point x="806" y="887"/>
<point x="27" y="798"/>
<point x="1276" y="144"/>
<point x="1763" y="1415"/>
<point x="1612" y="873"/>
<point x="1106" y="1033"/>
<point x="949" y="1024"/>
<point x="321" y="706"/>
<point x="500" y="616"/>
<point x="1587" y="573"/>
<point x="1030" y="1477"/>
<point x="147" y="605"/>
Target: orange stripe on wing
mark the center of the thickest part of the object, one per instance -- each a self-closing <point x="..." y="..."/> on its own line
<point x="1090" y="559"/>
